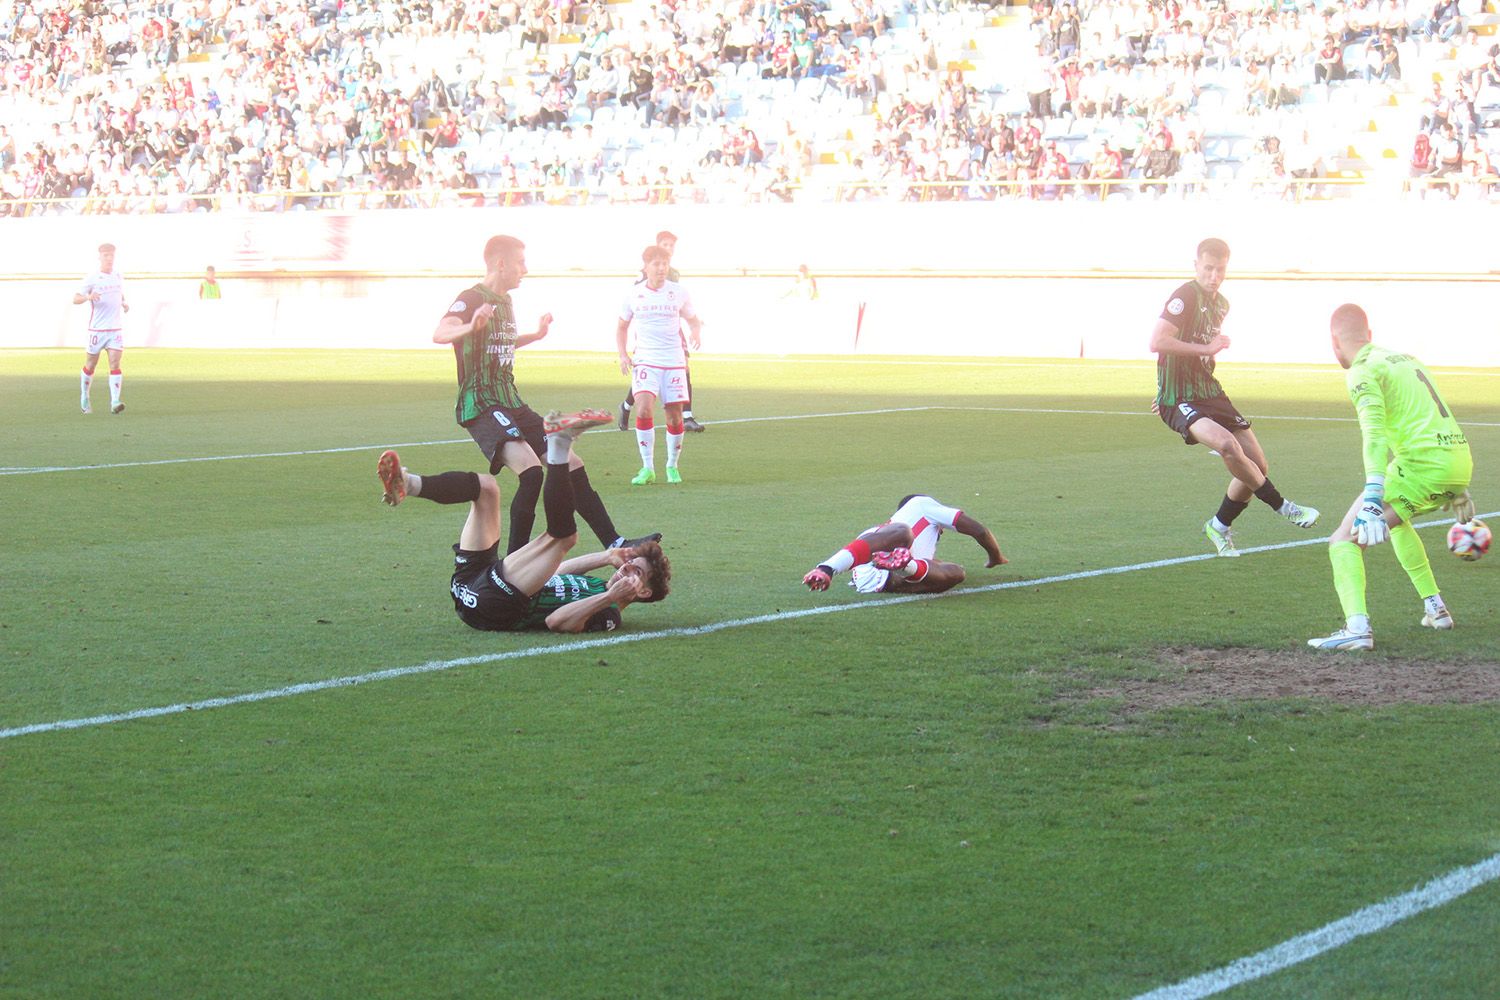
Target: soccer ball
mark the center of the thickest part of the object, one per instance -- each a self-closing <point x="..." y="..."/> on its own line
<point x="1469" y="540"/>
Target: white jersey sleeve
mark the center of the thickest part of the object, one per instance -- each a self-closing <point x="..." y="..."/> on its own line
<point x="655" y="317"/>
<point x="927" y="519"/>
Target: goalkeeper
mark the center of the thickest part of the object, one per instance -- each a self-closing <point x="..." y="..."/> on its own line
<point x="1400" y="413"/>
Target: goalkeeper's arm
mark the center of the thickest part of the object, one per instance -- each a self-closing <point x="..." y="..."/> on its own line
<point x="965" y="524"/>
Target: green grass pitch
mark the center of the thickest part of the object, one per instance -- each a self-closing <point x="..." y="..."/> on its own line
<point x="911" y="800"/>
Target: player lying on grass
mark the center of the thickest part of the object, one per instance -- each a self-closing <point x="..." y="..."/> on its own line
<point x="534" y="587"/>
<point x="1401" y="416"/>
<point x="897" y="557"/>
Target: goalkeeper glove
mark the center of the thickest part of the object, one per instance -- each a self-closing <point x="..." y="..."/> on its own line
<point x="1462" y="507"/>
<point x="1369" y="521"/>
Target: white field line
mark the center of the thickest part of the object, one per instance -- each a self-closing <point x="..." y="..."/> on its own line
<point x="26" y="471"/>
<point x="18" y="470"/>
<point x="1369" y="920"/>
<point x="433" y="666"/>
<point x="1084" y="363"/>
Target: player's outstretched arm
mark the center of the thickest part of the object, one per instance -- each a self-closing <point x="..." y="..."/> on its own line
<point x="572" y="618"/>
<point x="451" y="328"/>
<point x="542" y="327"/>
<point x="965" y="524"/>
<point x="1166" y="339"/>
<point x="591" y="561"/>
<point x="622" y="331"/>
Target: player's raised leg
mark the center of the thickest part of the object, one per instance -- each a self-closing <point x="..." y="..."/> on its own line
<point x="447" y="488"/>
<point x="1246" y="462"/>
<point x="529" y="567"/>
<point x="1299" y="514"/>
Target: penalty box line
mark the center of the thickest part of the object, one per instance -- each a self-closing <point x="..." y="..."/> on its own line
<point x="435" y="666"/>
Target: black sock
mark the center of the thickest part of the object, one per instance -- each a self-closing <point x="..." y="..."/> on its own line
<point x="451" y="487"/>
<point x="590" y="507"/>
<point x="1270" y="496"/>
<point x="557" y="502"/>
<point x="1231" y="509"/>
<point x="523" y="508"/>
<point x="687" y="410"/>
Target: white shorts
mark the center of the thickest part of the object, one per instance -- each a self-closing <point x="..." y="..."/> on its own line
<point x="667" y="384"/>
<point x="868" y="579"/>
<point x="105" y="340"/>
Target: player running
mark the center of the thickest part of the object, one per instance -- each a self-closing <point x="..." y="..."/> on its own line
<point x="534" y="587"/>
<point x="897" y="557"/>
<point x="1400" y="413"/>
<point x="104" y="291"/>
<point x="656" y="309"/>
<point x="481" y="326"/>
<point x="1187" y="338"/>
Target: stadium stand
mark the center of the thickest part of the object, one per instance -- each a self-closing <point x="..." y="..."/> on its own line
<point x="294" y="105"/>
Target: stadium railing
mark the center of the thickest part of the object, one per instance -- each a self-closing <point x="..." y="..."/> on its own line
<point x="1294" y="189"/>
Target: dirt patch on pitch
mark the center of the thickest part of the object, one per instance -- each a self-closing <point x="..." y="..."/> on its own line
<point x="1194" y="676"/>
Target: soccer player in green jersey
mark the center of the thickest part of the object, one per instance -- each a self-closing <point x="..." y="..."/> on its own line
<point x="481" y="326"/>
<point x="1401" y="415"/>
<point x="1189" y="399"/>
<point x="536" y="586"/>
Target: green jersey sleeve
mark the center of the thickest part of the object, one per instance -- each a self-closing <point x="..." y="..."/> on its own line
<point x="1400" y="411"/>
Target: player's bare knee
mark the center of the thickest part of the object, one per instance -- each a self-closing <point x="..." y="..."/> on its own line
<point x="489" y="490"/>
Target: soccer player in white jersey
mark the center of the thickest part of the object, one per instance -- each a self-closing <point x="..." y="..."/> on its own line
<point x="655" y="310"/>
<point x="105" y="293"/>
<point x="899" y="556"/>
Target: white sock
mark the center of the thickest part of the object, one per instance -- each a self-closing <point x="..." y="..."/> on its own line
<point x="840" y="561"/>
<point x="114" y="389"/>
<point x="558" y="448"/>
<point x="413" y="483"/>
<point x="674" y="448"/>
<point x="646" y="440"/>
<point x="84" y="381"/>
<point x="1434" y="605"/>
<point x="1220" y="526"/>
<point x="1358" y="623"/>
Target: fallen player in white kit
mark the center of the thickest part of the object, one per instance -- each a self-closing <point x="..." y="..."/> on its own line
<point x="898" y="556"/>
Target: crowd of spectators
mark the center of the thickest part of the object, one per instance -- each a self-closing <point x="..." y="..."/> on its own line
<point x="186" y="105"/>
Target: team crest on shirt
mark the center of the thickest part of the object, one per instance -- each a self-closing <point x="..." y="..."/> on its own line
<point x="457" y="307"/>
<point x="1176" y="306"/>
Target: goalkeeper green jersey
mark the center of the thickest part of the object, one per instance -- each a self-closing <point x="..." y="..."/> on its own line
<point x="1198" y="317"/>
<point x="560" y="590"/>
<point x="486" y="358"/>
<point x="1400" y="411"/>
